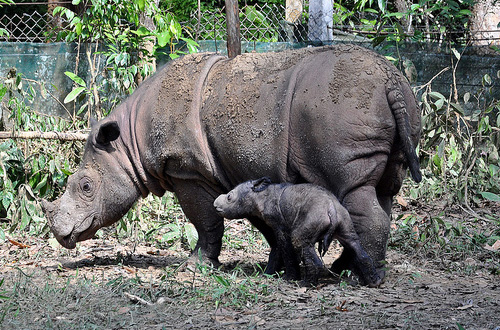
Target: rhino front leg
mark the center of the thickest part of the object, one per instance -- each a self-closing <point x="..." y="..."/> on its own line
<point x="275" y="261"/>
<point x="196" y="201"/>
<point x="288" y="255"/>
<point x="372" y="224"/>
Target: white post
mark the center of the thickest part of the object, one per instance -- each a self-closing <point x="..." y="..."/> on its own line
<point x="320" y="20"/>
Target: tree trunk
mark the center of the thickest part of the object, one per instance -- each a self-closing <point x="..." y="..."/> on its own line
<point x="56" y="22"/>
<point x="484" y="23"/>
<point x="403" y="6"/>
<point x="233" y="28"/>
<point x="293" y="11"/>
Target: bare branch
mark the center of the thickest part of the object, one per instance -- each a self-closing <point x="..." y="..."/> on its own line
<point x="62" y="136"/>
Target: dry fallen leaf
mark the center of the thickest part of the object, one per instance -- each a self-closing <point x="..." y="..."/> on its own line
<point x="130" y="270"/>
<point x="401" y="201"/>
<point x="21" y="245"/>
<point x="494" y="247"/>
<point x="123" y="310"/>
<point x="224" y="315"/>
<point x="341" y="307"/>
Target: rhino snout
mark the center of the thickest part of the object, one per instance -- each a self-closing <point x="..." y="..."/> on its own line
<point x="59" y="223"/>
<point x="218" y="204"/>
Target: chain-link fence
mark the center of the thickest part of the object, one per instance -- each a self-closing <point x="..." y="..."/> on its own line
<point x="276" y="25"/>
<point x="302" y="21"/>
<point x="27" y="27"/>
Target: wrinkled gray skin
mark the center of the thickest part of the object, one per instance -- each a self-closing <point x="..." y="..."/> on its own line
<point x="341" y="117"/>
<point x="300" y="216"/>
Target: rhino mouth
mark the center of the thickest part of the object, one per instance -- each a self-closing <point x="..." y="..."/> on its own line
<point x="83" y="231"/>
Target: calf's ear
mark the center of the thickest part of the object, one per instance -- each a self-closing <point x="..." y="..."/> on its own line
<point x="261" y="184"/>
<point x="108" y="132"/>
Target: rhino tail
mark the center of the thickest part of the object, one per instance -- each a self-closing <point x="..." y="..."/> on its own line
<point x="398" y="106"/>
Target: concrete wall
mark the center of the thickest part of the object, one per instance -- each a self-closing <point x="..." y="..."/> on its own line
<point x="48" y="62"/>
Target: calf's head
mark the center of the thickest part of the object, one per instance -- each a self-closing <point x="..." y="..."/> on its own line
<point x="99" y="193"/>
<point x="242" y="201"/>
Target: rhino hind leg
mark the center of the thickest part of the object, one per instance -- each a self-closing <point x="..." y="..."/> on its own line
<point x="372" y="225"/>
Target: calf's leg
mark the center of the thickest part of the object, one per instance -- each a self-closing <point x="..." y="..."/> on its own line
<point x="313" y="265"/>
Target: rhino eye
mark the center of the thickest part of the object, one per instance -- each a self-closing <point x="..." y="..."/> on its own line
<point x="86" y="185"/>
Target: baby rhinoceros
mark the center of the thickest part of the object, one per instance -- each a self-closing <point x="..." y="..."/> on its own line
<point x="300" y="215"/>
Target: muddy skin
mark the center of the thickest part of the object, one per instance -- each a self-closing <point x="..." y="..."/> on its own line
<point x="341" y="117"/>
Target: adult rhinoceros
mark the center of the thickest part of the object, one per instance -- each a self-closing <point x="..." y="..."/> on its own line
<point x="341" y="117"/>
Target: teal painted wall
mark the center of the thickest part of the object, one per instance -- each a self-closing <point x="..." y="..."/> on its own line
<point x="47" y="63"/>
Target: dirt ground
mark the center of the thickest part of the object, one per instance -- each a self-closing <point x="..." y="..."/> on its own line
<point x="118" y="284"/>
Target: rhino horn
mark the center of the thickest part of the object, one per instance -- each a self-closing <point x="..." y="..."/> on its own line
<point x="50" y="209"/>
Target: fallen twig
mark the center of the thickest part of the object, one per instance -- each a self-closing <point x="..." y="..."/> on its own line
<point x="137" y="299"/>
<point x="63" y="136"/>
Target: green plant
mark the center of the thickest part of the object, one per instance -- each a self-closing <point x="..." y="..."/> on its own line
<point x="44" y="172"/>
<point x="459" y="148"/>
<point x="127" y="37"/>
<point x="4" y="32"/>
<point x="254" y="17"/>
<point x="424" y="20"/>
<point x="235" y="289"/>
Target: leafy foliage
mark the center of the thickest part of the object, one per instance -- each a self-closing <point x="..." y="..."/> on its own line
<point x="41" y="174"/>
<point x="460" y="151"/>
<point x="128" y="36"/>
<point x="424" y="20"/>
<point x="4" y="32"/>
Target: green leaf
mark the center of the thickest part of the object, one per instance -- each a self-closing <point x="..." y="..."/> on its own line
<point x="456" y="53"/>
<point x="458" y="108"/>
<point x="142" y="31"/>
<point x="490" y="196"/>
<point x="163" y="38"/>
<point x="2" y="236"/>
<point x="42" y="183"/>
<point x="3" y="91"/>
<point x="141" y="4"/>
<point x="439" y="103"/>
<point x="466" y="97"/>
<point x="78" y="28"/>
<point x="74" y="94"/>
<point x="378" y="40"/>
<point x="222" y="281"/>
<point x="75" y="78"/>
<point x="191" y="235"/>
<point x="175" y="28"/>
<point x="487" y="79"/>
<point x="436" y="95"/>
<point x="25" y="218"/>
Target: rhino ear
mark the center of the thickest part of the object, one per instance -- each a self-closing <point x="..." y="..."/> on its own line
<point x="261" y="184"/>
<point x="108" y="132"/>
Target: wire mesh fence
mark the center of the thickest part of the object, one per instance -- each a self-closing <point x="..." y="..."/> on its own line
<point x="274" y="22"/>
<point x="27" y="27"/>
<point x="302" y="21"/>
